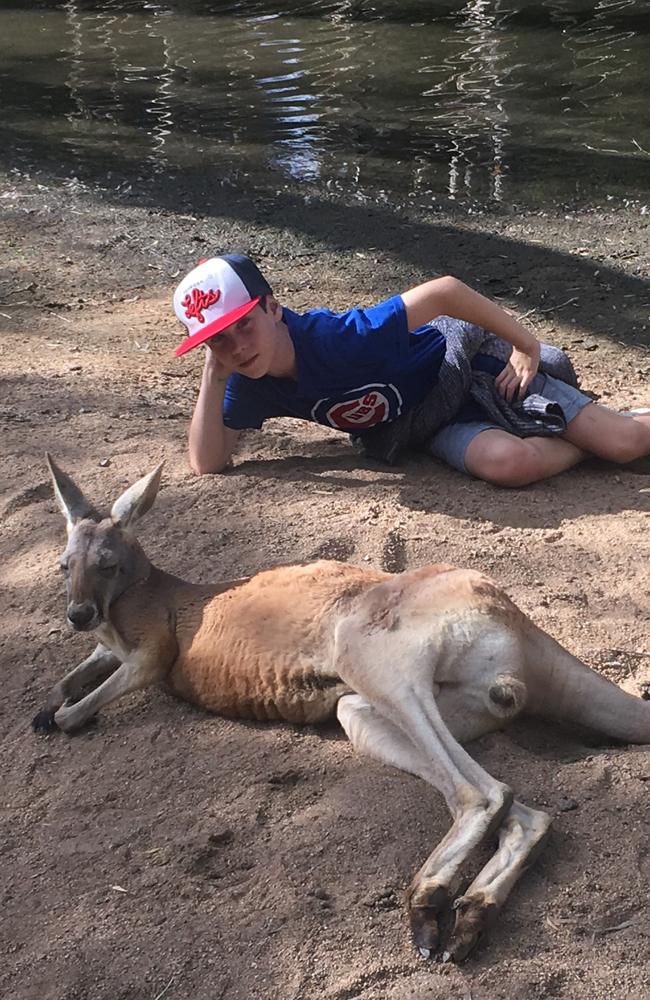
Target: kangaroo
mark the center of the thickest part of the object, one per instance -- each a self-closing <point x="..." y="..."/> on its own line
<point x="412" y="664"/>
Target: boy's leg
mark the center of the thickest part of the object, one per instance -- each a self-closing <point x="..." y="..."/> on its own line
<point x="614" y="436"/>
<point x="506" y="460"/>
<point x="490" y="453"/>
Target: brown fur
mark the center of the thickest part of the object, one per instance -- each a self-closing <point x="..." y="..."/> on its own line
<point x="258" y="650"/>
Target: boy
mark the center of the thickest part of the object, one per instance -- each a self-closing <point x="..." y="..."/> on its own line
<point x="365" y="367"/>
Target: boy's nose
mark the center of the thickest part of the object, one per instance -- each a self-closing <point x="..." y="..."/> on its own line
<point x="238" y="349"/>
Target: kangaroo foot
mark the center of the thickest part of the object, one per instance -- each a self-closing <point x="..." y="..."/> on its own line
<point x="644" y="690"/>
<point x="425" y="904"/>
<point x="43" y="721"/>
<point x="475" y="914"/>
<point x="64" y="693"/>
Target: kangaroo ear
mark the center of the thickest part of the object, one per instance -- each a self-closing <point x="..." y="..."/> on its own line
<point x="137" y="500"/>
<point x="70" y="498"/>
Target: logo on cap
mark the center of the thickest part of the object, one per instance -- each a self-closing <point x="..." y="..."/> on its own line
<point x="197" y="300"/>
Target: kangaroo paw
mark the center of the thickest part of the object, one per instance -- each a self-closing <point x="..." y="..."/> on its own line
<point x="70" y="720"/>
<point x="474" y="916"/>
<point x="644" y="690"/>
<point x="424" y="907"/>
<point x="43" y="721"/>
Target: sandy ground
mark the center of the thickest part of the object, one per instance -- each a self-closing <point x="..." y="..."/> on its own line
<point x="166" y="852"/>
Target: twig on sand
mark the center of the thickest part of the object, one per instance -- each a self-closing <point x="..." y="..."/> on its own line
<point x="53" y="312"/>
<point x="635" y="143"/>
<point x="615" y="927"/>
<point x="550" y="308"/>
<point x="162" y="992"/>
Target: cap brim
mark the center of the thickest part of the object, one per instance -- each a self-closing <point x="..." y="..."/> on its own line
<point x="217" y="326"/>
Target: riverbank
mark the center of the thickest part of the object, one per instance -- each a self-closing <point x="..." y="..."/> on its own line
<point x="163" y="847"/>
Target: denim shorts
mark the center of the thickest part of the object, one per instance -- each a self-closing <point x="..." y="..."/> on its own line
<point x="451" y="441"/>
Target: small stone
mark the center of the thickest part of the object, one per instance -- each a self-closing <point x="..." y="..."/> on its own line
<point x="382" y="899"/>
<point x="567" y="805"/>
<point x="104" y="462"/>
<point x="221" y="837"/>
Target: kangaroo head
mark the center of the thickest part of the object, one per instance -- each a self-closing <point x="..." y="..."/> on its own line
<point x="102" y="558"/>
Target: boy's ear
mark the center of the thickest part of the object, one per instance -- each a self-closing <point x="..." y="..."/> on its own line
<point x="274" y="306"/>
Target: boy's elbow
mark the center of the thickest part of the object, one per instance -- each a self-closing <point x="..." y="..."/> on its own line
<point x="203" y="468"/>
<point x="447" y="289"/>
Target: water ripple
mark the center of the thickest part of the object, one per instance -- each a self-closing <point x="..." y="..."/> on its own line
<point x="479" y="100"/>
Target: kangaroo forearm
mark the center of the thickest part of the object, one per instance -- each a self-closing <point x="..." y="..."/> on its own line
<point x="93" y="670"/>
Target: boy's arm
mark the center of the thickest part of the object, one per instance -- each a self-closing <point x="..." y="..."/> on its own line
<point x="211" y="443"/>
<point x="450" y="297"/>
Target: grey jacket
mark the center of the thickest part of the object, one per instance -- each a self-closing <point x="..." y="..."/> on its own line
<point x="458" y="383"/>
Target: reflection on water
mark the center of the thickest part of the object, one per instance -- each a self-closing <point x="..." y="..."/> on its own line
<point x="476" y="102"/>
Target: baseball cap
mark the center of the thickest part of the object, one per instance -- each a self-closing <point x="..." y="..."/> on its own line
<point x="215" y="294"/>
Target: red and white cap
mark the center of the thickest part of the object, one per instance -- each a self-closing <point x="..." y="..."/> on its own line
<point x="215" y="295"/>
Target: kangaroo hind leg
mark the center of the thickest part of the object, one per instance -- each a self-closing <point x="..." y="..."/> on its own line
<point x="393" y="673"/>
<point x="484" y="688"/>
<point x="432" y="889"/>
<point x="522" y="836"/>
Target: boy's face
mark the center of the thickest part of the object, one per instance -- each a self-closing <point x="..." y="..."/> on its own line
<point x="249" y="345"/>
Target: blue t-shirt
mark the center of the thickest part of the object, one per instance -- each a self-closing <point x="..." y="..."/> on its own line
<point x="355" y="369"/>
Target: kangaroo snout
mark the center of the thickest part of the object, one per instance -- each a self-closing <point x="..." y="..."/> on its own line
<point x="83" y="616"/>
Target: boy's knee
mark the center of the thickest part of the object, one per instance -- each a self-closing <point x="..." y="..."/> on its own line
<point x="509" y="462"/>
<point x="632" y="442"/>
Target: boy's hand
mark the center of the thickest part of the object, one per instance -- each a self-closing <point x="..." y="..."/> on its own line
<point x="216" y="367"/>
<point x="519" y="372"/>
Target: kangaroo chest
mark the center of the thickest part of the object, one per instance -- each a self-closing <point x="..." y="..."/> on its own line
<point x="112" y="639"/>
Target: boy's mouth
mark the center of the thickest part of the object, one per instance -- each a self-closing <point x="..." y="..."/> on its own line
<point x="251" y="361"/>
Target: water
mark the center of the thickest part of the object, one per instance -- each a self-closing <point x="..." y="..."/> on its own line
<point x="482" y="103"/>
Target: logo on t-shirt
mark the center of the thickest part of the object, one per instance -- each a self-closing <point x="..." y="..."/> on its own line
<point x="358" y="409"/>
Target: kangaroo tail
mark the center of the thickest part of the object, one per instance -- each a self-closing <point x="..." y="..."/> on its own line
<point x="562" y="687"/>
